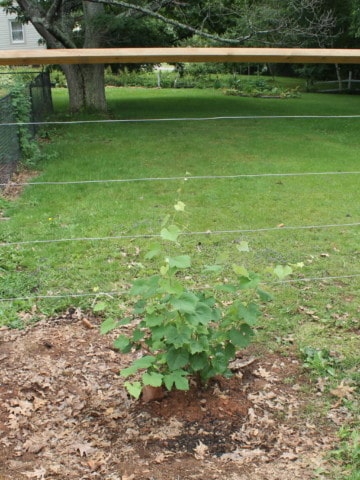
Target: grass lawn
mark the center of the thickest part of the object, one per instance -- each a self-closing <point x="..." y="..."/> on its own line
<point x="321" y="313"/>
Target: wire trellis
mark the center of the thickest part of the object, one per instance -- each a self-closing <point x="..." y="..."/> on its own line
<point x="118" y="293"/>
<point x="328" y="278"/>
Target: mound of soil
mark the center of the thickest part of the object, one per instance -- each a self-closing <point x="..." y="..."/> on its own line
<point x="64" y="413"/>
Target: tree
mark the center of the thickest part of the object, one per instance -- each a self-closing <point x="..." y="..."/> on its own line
<point x="355" y="17"/>
<point x="85" y="24"/>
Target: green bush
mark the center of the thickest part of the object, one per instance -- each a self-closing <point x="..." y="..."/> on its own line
<point x="260" y="87"/>
<point x="184" y="332"/>
<point x="21" y="103"/>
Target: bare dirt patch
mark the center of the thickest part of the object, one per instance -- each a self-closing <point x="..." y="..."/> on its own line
<point x="15" y="186"/>
<point x="65" y="414"/>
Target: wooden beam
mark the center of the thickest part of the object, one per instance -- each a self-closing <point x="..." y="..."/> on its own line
<point x="173" y="55"/>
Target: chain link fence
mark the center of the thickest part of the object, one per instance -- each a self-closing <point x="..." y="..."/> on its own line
<point x="41" y="106"/>
<point x="9" y="141"/>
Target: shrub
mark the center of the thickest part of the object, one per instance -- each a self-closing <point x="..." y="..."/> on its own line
<point x="259" y="87"/>
<point x="21" y="103"/>
<point x="184" y="332"/>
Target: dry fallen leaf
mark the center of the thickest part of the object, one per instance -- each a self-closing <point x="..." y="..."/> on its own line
<point x="343" y="391"/>
<point x="34" y="445"/>
<point x="160" y="458"/>
<point x="261" y="372"/>
<point x="85" y="449"/>
<point x="200" y="451"/>
<point x="251" y="416"/>
<point x="289" y="456"/>
<point x="38" y="473"/>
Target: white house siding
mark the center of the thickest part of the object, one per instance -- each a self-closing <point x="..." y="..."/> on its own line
<point x="31" y="37"/>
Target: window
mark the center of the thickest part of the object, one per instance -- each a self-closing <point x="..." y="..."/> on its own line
<point x="17" y="32"/>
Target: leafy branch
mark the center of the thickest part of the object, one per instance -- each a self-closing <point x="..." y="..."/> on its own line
<point x="21" y="103"/>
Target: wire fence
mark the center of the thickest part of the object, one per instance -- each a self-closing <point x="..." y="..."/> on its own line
<point x="41" y="105"/>
<point x="38" y="96"/>
<point x="9" y="141"/>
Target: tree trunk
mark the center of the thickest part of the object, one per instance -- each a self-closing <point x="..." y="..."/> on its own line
<point x="86" y="87"/>
<point x="86" y="82"/>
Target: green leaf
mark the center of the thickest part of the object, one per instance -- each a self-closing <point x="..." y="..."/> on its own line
<point x="213" y="268"/>
<point x="127" y="372"/>
<point x="199" y="361"/>
<point x="171" y="286"/>
<point x="177" y="336"/>
<point x="108" y="325"/>
<point x="158" y="333"/>
<point x="178" y="378"/>
<point x="249" y="312"/>
<point x="154" y="251"/>
<point x="282" y="271"/>
<point x="177" y="358"/>
<point x="250" y="281"/>
<point x="145" y="287"/>
<point x="243" y="246"/>
<point x="220" y="362"/>
<point x="144" y="362"/>
<point x="264" y="296"/>
<point x="154" y="379"/>
<point x="241" y="337"/>
<point x="227" y="288"/>
<point x="153" y="320"/>
<point x="182" y="261"/>
<point x="207" y="372"/>
<point x="125" y="321"/>
<point x="165" y="220"/>
<point x="229" y="351"/>
<point x="164" y="270"/>
<point x="134" y="389"/>
<point x="182" y="383"/>
<point x="203" y="314"/>
<point x="123" y="344"/>
<point x="239" y="270"/>
<point x="220" y="366"/>
<point x="99" y="307"/>
<point x="155" y="345"/>
<point x="179" y="206"/>
<point x="186" y="303"/>
<point x="139" y="307"/>
<point x="171" y="233"/>
<point x="138" y="335"/>
<point x="199" y="345"/>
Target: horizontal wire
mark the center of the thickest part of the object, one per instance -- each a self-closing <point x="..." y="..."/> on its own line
<point x="72" y="295"/>
<point x="123" y="292"/>
<point x="181" y="119"/>
<point x="149" y="120"/>
<point x="184" y="177"/>
<point x="208" y="232"/>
